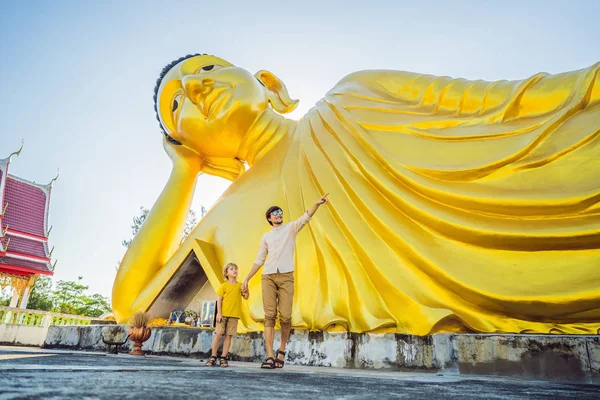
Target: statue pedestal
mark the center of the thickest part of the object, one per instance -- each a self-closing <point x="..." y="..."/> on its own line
<point x="565" y="357"/>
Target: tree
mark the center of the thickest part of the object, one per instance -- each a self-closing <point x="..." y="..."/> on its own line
<point x="41" y="295"/>
<point x="190" y="223"/>
<point x="137" y="224"/>
<point x="69" y="298"/>
<point x="94" y="305"/>
<point x="4" y="298"/>
<point x="138" y="221"/>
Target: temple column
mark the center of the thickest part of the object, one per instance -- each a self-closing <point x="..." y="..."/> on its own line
<point x="25" y="298"/>
<point x="15" y="299"/>
<point x="27" y="291"/>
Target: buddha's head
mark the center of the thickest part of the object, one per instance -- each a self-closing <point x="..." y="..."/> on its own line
<point x="208" y="105"/>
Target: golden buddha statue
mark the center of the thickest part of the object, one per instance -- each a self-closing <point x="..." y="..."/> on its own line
<point x="456" y="205"/>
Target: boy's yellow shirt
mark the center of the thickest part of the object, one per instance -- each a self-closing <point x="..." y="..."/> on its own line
<point x="232" y="299"/>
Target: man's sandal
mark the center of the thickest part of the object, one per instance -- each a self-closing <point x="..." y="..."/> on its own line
<point x="279" y="363"/>
<point x="223" y="362"/>
<point x="211" y="361"/>
<point x="268" y="365"/>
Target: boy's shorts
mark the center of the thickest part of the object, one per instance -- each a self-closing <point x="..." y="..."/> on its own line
<point x="228" y="326"/>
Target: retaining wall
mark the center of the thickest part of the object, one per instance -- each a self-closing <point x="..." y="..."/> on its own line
<point x="565" y="357"/>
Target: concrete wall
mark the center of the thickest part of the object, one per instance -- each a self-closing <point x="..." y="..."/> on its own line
<point x="24" y="335"/>
<point x="570" y="357"/>
<point x="573" y="358"/>
<point x="29" y="327"/>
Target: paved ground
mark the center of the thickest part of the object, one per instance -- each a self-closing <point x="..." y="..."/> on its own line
<point x="27" y="373"/>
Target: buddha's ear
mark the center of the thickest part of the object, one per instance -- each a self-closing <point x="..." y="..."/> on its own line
<point x="277" y="92"/>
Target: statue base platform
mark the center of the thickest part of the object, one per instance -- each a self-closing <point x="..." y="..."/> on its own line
<point x="557" y="357"/>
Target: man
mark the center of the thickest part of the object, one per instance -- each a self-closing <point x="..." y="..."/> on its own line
<point x="278" y="277"/>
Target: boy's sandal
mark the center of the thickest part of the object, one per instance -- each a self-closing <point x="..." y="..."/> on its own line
<point x="211" y="361"/>
<point x="268" y="365"/>
<point x="223" y="362"/>
<point x="279" y="363"/>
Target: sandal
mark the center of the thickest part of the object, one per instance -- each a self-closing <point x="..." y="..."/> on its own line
<point x="279" y="363"/>
<point x="211" y="361"/>
<point x="223" y="362"/>
<point x="268" y="365"/>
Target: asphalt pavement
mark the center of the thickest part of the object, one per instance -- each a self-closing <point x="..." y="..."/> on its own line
<point x="30" y="373"/>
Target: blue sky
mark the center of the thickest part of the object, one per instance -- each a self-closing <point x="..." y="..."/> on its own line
<point x="76" y="82"/>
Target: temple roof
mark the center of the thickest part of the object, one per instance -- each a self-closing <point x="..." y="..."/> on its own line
<point x="23" y="223"/>
<point x="21" y="245"/>
<point x="27" y="207"/>
<point x="17" y="266"/>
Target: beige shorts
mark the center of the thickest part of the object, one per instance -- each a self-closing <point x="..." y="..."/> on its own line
<point x="278" y="296"/>
<point x="228" y="326"/>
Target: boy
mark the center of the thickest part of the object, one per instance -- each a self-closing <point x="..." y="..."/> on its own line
<point x="229" y="311"/>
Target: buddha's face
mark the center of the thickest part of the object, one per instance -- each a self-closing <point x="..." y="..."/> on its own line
<point x="208" y="105"/>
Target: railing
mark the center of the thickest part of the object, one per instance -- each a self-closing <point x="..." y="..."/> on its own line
<point x="20" y="316"/>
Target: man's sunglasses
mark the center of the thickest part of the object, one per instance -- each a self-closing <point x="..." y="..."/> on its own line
<point x="276" y="213"/>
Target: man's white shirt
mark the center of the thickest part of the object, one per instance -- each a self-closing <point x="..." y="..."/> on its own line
<point x="279" y="244"/>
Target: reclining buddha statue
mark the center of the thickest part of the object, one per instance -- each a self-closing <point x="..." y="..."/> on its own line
<point x="455" y="205"/>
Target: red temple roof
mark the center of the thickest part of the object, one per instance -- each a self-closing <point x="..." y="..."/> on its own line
<point x="25" y="246"/>
<point x="23" y="224"/>
<point x="16" y="265"/>
<point x="26" y="210"/>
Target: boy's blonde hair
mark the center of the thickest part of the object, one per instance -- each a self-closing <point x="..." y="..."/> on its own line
<point x="226" y="267"/>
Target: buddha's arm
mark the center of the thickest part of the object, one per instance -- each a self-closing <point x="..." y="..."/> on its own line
<point x="160" y="234"/>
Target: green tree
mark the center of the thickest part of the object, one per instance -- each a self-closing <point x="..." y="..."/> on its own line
<point x="94" y="305"/>
<point x="137" y="224"/>
<point x="68" y="296"/>
<point x="41" y="295"/>
<point x="5" y="298"/>
<point x="190" y="224"/>
<point x="138" y="221"/>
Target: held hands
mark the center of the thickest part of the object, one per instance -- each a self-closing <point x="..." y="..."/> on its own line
<point x="219" y="317"/>
<point x="245" y="287"/>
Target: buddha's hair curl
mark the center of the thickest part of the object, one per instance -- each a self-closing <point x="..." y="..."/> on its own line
<point x="159" y="81"/>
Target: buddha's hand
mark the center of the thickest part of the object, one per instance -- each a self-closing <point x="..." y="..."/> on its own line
<point x="183" y="157"/>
